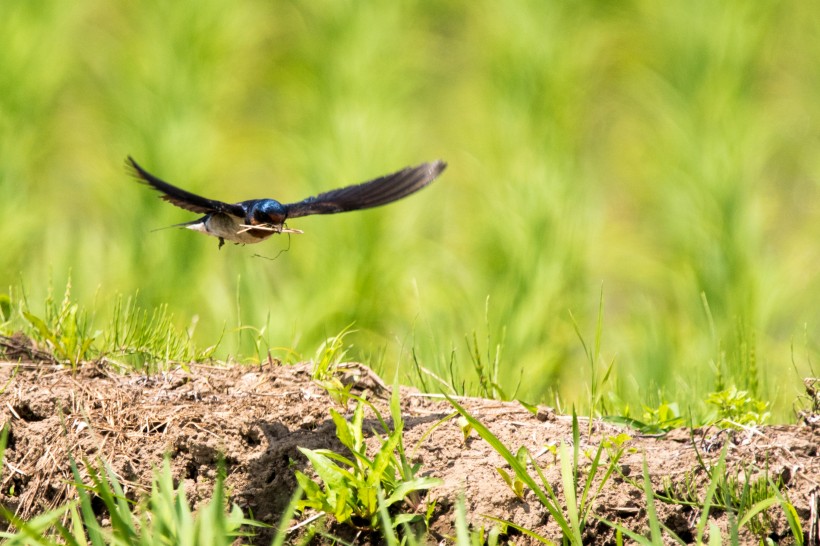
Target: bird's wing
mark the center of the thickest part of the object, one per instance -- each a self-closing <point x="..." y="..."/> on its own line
<point x="181" y="198"/>
<point x="369" y="194"/>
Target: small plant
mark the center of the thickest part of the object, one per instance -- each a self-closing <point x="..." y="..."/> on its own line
<point x="326" y="363"/>
<point x="329" y="355"/>
<point x="64" y="328"/>
<point x="579" y="494"/>
<point x="657" y="420"/>
<point x="486" y="370"/>
<point x="597" y="405"/>
<point x="515" y="483"/>
<point x="465" y="427"/>
<point x="737" y="409"/>
<point x="349" y="487"/>
<point x="666" y="416"/>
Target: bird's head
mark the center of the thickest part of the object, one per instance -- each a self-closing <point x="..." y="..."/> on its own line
<point x="267" y="212"/>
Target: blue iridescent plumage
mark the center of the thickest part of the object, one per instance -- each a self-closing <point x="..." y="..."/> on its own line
<point x="255" y="220"/>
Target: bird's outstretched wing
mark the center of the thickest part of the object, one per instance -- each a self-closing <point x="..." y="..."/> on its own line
<point x="374" y="193"/>
<point x="179" y="197"/>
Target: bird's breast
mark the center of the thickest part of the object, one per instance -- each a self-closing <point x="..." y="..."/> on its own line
<point x="229" y="228"/>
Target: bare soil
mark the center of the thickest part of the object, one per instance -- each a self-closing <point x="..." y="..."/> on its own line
<point x="257" y="417"/>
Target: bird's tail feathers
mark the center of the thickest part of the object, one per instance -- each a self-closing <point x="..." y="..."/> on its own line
<point x="182" y="225"/>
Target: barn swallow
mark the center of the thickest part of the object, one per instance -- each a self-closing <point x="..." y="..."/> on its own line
<point x="255" y="220"/>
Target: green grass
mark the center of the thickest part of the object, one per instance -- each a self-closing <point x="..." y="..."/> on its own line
<point x="358" y="489"/>
<point x="664" y="151"/>
<point x="746" y="494"/>
<point x="133" y="339"/>
<point x="739" y="516"/>
<point x="573" y="509"/>
<point x="163" y="516"/>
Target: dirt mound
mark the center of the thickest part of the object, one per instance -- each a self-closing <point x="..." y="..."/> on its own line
<point x="258" y="416"/>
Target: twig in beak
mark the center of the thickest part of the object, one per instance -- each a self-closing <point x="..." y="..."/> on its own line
<point x="268" y="227"/>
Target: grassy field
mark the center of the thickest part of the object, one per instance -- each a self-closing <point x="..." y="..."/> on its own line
<point x="659" y="156"/>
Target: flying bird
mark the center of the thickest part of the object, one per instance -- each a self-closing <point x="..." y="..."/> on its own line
<point x="255" y="220"/>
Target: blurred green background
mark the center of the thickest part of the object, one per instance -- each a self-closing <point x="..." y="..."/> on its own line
<point x="664" y="154"/>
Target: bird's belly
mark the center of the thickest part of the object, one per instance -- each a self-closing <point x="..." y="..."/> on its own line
<point x="229" y="228"/>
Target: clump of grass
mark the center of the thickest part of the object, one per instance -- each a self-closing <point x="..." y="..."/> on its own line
<point x="579" y="495"/>
<point x="357" y="489"/>
<point x="164" y="516"/>
<point x="141" y="338"/>
<point x="748" y="514"/>
<point x="737" y="492"/>
<point x="64" y="329"/>
<point x="485" y="363"/>
<point x="133" y="339"/>
<point x="487" y="369"/>
<point x="329" y="355"/>
<point x="597" y="382"/>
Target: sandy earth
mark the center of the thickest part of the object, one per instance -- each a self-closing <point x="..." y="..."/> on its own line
<point x="258" y="416"/>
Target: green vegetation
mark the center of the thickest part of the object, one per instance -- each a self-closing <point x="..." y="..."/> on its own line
<point x="738" y="493"/>
<point x="382" y="493"/>
<point x="742" y="515"/>
<point x="579" y="493"/>
<point x="746" y="495"/>
<point x="356" y="489"/>
<point x="646" y="171"/>
<point x="133" y="339"/>
<point x="164" y="516"/>
<point x="661" y="151"/>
